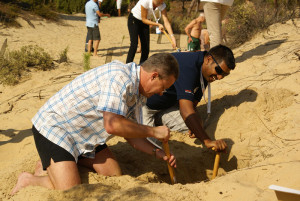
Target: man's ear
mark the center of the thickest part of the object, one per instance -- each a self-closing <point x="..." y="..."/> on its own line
<point x="154" y="75"/>
<point x="206" y="59"/>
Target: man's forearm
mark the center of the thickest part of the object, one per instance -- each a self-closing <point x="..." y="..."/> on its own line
<point x="193" y="122"/>
<point x="120" y="126"/>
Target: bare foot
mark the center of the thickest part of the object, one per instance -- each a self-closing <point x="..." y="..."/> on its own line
<point x="39" y="169"/>
<point x="96" y="55"/>
<point x="23" y="181"/>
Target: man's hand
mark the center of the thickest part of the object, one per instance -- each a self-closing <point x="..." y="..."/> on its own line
<point x="162" y="155"/>
<point x="190" y="39"/>
<point x="161" y="133"/>
<point x="161" y="27"/>
<point x="220" y="145"/>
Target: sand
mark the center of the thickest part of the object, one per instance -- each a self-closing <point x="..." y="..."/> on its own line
<point x="255" y="109"/>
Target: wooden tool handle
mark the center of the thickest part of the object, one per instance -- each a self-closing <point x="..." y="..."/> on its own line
<point x="177" y="49"/>
<point x="216" y="164"/>
<point x="168" y="37"/>
<point x="171" y="170"/>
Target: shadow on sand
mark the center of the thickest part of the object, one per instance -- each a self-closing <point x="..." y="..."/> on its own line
<point x="15" y="135"/>
<point x="260" y="50"/>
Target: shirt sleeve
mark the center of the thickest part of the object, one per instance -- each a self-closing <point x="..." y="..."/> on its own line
<point x="95" y="8"/>
<point x="113" y="96"/>
<point x="145" y="3"/>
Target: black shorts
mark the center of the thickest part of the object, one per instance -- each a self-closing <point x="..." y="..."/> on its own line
<point x="93" y="33"/>
<point x="48" y="150"/>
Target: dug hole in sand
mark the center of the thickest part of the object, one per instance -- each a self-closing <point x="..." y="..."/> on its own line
<point x="255" y="109"/>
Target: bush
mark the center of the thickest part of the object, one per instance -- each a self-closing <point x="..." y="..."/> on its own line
<point x="14" y="64"/>
<point x="247" y="19"/>
<point x="35" y="57"/>
<point x="46" y="12"/>
<point x="63" y="56"/>
<point x="8" y="15"/>
<point x="86" y="61"/>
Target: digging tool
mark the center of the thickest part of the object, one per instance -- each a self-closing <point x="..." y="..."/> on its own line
<point x="216" y="165"/>
<point x="177" y="49"/>
<point x="171" y="169"/>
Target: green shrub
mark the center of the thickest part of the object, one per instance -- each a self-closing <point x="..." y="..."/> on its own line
<point x="46" y="12"/>
<point x="14" y="64"/>
<point x="11" y="70"/>
<point x="86" y="61"/>
<point x="35" y="57"/>
<point x="8" y="15"/>
<point x="63" y="56"/>
<point x="247" y="19"/>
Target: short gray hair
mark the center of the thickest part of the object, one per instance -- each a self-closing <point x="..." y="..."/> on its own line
<point x="163" y="63"/>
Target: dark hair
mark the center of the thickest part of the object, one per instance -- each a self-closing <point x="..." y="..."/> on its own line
<point x="163" y="63"/>
<point x="223" y="53"/>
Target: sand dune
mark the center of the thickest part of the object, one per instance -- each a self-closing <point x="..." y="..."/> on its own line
<point x="256" y="109"/>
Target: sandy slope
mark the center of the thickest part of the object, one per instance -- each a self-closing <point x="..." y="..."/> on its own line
<point x="256" y="109"/>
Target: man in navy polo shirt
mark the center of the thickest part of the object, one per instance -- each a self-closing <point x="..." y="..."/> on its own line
<point x="176" y="108"/>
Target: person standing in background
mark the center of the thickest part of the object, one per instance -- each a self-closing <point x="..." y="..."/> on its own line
<point x="193" y="31"/>
<point x="92" y="19"/>
<point x="138" y="26"/>
<point x="119" y="4"/>
<point x="215" y="11"/>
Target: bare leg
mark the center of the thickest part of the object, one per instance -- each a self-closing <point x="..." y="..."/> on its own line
<point x="119" y="12"/>
<point x="96" y="44"/>
<point x="27" y="179"/>
<point x="61" y="175"/>
<point x="39" y="169"/>
<point x="104" y="163"/>
<point x="89" y="46"/>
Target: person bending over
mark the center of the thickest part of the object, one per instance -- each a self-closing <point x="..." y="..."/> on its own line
<point x="73" y="126"/>
<point x="138" y="25"/>
<point x="176" y="108"/>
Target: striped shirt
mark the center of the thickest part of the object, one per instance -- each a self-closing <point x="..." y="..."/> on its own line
<point x="73" y="117"/>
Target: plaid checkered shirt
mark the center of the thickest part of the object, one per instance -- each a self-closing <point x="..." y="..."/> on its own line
<point x="73" y="117"/>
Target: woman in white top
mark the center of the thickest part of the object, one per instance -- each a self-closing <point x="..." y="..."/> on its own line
<point x="138" y="25"/>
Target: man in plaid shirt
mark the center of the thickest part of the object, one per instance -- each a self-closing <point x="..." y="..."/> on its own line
<point x="75" y="124"/>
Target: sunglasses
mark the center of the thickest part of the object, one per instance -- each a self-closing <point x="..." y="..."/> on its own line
<point x="218" y="69"/>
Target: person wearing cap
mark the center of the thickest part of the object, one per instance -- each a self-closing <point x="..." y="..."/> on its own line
<point x="73" y="126"/>
<point x="193" y="31"/>
<point x="138" y="26"/>
<point x="176" y="108"/>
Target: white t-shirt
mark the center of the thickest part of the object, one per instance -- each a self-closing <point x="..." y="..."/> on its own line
<point x="137" y="13"/>
<point x="224" y="2"/>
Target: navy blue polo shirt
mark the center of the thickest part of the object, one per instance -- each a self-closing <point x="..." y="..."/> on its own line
<point x="187" y="86"/>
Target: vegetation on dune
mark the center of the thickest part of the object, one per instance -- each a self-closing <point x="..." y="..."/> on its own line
<point x="248" y="18"/>
<point x="86" y="61"/>
<point x="244" y="18"/>
<point x="14" y="65"/>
